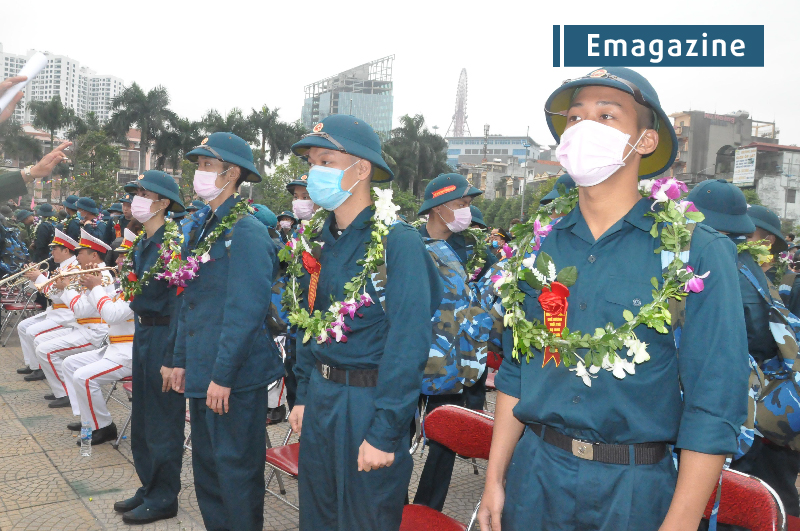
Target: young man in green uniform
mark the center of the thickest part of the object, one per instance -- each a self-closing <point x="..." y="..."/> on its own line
<point x="593" y="452"/>
<point x="356" y="399"/>
<point x="725" y="208"/>
<point x="157" y="413"/>
<point x="225" y="357"/>
<point x="768" y="227"/>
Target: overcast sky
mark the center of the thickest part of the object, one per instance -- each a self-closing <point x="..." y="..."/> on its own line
<point x="249" y="53"/>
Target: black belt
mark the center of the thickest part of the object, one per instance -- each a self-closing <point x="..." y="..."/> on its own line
<point x="615" y="454"/>
<point x="159" y="320"/>
<point x="352" y="377"/>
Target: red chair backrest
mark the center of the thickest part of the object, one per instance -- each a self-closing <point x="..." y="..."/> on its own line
<point x="493" y="360"/>
<point x="747" y="502"/>
<point x="468" y="433"/>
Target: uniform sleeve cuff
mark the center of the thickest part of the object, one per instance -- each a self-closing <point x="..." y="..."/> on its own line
<point x="704" y="433"/>
<point x="224" y="375"/>
<point x="507" y="379"/>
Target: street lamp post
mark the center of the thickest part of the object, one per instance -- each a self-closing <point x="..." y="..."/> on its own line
<point x="526" y="145"/>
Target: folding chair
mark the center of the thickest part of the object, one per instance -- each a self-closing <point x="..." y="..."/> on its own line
<point x="748" y="502"/>
<point x="127" y="386"/>
<point x="467" y="433"/>
<point x="22" y="305"/>
<point x="283" y="459"/>
<point x="187" y="441"/>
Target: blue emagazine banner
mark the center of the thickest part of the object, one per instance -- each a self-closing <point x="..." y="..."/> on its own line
<point x="695" y="45"/>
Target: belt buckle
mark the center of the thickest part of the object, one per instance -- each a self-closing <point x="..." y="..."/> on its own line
<point x="326" y="371"/>
<point x="583" y="449"/>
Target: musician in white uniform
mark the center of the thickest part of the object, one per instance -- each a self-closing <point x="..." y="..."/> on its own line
<point x="57" y="320"/>
<point x="91" y="332"/>
<point x="85" y="373"/>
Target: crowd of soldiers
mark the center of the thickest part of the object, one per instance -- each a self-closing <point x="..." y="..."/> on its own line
<point x="368" y="318"/>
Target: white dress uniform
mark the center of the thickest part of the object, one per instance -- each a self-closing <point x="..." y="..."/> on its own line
<point x="86" y="373"/>
<point x="56" y="320"/>
<point x="91" y="331"/>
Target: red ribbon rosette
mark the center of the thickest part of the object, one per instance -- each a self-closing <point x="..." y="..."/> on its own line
<point x="554" y="303"/>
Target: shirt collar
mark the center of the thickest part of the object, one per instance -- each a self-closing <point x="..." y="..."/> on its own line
<point x="635" y="217"/>
<point x="362" y="221"/>
<point x="157" y="237"/>
<point x="69" y="261"/>
<point x="225" y="208"/>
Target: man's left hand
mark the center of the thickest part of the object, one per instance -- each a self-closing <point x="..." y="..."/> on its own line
<point x="91" y="281"/>
<point x="370" y="458"/>
<point x="217" y="398"/>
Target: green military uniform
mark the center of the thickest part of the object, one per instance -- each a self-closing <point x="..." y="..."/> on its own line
<point x="382" y="360"/>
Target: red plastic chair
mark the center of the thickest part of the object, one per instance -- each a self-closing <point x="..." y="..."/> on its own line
<point x="748" y="502"/>
<point x="283" y="459"/>
<point x="466" y="432"/>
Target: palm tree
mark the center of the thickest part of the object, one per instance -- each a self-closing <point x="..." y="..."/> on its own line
<point x="14" y="143"/>
<point x="234" y="122"/>
<point x="51" y="116"/>
<point x="173" y="144"/>
<point x="419" y="155"/>
<point x="273" y="134"/>
<point x="149" y="112"/>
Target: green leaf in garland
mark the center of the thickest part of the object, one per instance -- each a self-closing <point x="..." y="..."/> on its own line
<point x="568" y="276"/>
<point x="531" y="279"/>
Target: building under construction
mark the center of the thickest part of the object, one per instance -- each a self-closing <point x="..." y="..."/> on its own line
<point x="365" y="91"/>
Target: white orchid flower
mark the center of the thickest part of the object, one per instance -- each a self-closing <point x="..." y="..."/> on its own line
<point x="637" y="349"/>
<point x="528" y="262"/>
<point x="646" y="186"/>
<point x="385" y="210"/>
<point x="581" y="371"/>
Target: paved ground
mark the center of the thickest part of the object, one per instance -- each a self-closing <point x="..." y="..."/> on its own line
<point x="46" y="485"/>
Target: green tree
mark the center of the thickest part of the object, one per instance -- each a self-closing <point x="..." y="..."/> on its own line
<point x="752" y="196"/>
<point x="186" y="182"/>
<point x="96" y="168"/>
<point x="14" y="143"/>
<point x="498" y="213"/>
<point x="175" y="142"/>
<point x="234" y="122"/>
<point x="80" y="127"/>
<point x="418" y="154"/>
<point x="51" y="116"/>
<point x="275" y="138"/>
<point x="149" y="112"/>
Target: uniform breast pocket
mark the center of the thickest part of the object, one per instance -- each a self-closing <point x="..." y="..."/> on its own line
<point x="624" y="294"/>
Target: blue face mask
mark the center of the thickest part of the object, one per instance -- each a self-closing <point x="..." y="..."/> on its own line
<point x="325" y="186"/>
<point x="495" y="244"/>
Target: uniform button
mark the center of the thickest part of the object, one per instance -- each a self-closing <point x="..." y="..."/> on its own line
<point x="191" y="306"/>
<point x="191" y="334"/>
<point x="576" y="399"/>
<point x="637" y="302"/>
<point x="591" y="258"/>
<point x="582" y="306"/>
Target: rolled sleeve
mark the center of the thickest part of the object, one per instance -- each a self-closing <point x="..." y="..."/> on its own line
<point x="12" y="185"/>
<point x="713" y="357"/>
<point x="508" y="379"/>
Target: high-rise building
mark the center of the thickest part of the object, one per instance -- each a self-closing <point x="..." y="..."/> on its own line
<point x="79" y="87"/>
<point x="365" y="91"/>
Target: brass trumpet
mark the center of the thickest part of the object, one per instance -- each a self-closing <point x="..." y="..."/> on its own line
<point x="97" y="270"/>
<point x="15" y="277"/>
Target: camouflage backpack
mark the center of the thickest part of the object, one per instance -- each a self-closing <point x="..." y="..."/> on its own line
<point x="457" y="356"/>
<point x="14" y="254"/>
<point x="776" y="390"/>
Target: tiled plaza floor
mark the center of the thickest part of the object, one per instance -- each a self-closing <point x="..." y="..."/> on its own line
<point x="46" y="485"/>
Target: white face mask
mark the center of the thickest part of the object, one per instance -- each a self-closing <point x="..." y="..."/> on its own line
<point x="303" y="208"/>
<point x="462" y="219"/>
<point x="285" y="224"/>
<point x="591" y="152"/>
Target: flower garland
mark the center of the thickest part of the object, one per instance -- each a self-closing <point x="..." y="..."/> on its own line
<point x="783" y="265"/>
<point x="179" y="271"/>
<point x="131" y="284"/>
<point x="476" y="262"/>
<point x="601" y="347"/>
<point x="759" y="250"/>
<point x="302" y="251"/>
